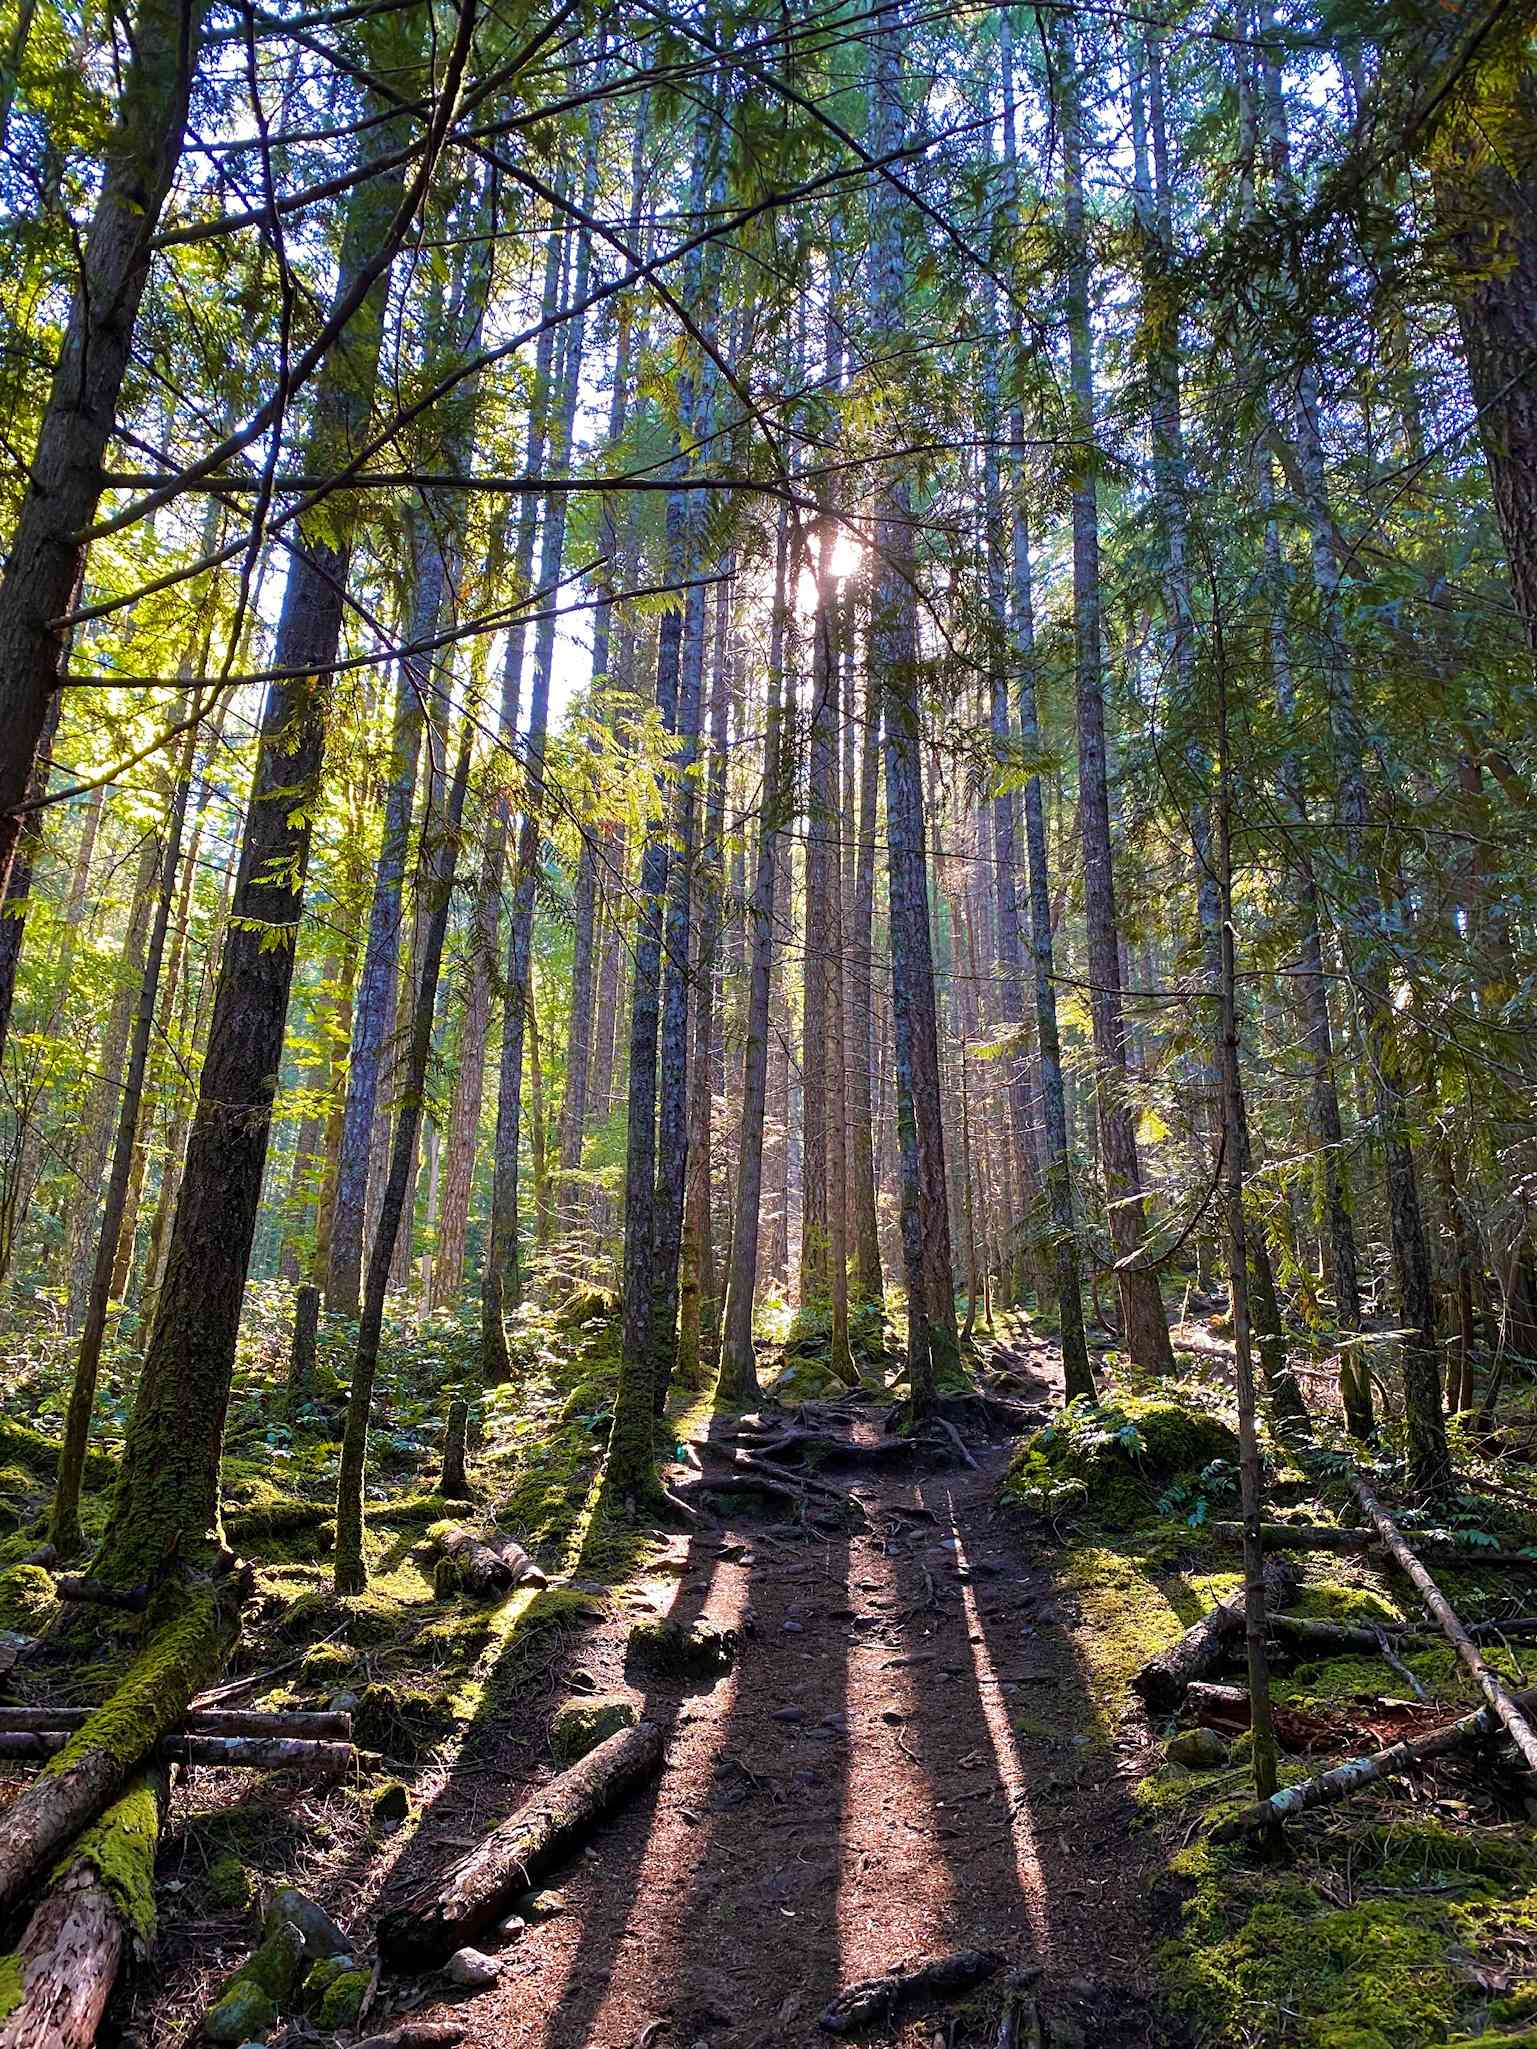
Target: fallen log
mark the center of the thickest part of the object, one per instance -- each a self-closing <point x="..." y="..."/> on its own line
<point x="252" y="1753"/>
<point x="1348" y="1636"/>
<point x="477" y="1891"/>
<point x="1162" y="1681"/>
<point x="1329" y="1537"/>
<point x="878" y="1999"/>
<point x="1345" y="1779"/>
<point x="327" y="1725"/>
<point x="179" y="1656"/>
<point x="480" y="1565"/>
<point x="1517" y="1727"/>
<point x="98" y="1910"/>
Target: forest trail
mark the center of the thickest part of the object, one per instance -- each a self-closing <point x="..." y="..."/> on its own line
<point x="906" y="1760"/>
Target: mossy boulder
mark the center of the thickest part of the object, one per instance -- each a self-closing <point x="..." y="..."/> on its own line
<point x="586" y="1720"/>
<point x="27" y="1599"/>
<point x="262" y="1988"/>
<point x="343" y="2002"/>
<point x="676" y="1650"/>
<point x="1116" y="1460"/>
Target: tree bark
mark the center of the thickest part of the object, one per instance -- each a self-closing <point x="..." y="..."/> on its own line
<point x="46" y="560"/>
<point x="168" y="1492"/>
<point x="1144" y="1324"/>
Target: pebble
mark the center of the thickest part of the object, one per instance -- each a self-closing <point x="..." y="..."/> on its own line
<point x="795" y="1628"/>
<point x="790" y="1714"/>
<point x="512" y="1928"/>
<point x="472" y="1968"/>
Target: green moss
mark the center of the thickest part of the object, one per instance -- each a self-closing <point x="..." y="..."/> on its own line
<point x="1116" y="1459"/>
<point x="228" y="1885"/>
<point x="343" y="2002"/>
<point x="27" y="1599"/>
<point x="1369" y="1976"/>
<point x="187" y="1637"/>
<point x="1130" y="1614"/>
<point x="401" y="1720"/>
<point x="39" y="1455"/>
<point x="10" y="1983"/>
<point x="700" y="1651"/>
<point x="120" y="1848"/>
<point x="581" y="1724"/>
<point x="1332" y="1600"/>
<point x="261" y="1989"/>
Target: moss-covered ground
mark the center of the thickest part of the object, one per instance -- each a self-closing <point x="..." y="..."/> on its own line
<point x="1407" y="1916"/>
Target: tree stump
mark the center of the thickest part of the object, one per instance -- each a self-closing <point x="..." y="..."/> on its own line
<point x="301" y="1357"/>
<point x="454" y="1486"/>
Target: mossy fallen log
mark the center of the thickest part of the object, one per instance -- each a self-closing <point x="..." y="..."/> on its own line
<point x="190" y="1633"/>
<point x="98" y="1911"/>
<point x="1207" y="1644"/>
<point x="1329" y="1537"/>
<point x="477" y="1890"/>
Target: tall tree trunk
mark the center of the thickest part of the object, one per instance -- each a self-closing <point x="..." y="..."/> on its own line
<point x="502" y="1281"/>
<point x="64" y="1519"/>
<point x="435" y="889"/>
<point x="1369" y="944"/>
<point x="1057" y="1164"/>
<point x="1144" y="1323"/>
<point x="46" y="559"/>
<point x="738" y="1367"/>
<point x="933" y="1351"/>
<point x="168" y="1490"/>
<point x="100" y="1119"/>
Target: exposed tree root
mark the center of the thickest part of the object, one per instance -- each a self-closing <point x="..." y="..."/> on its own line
<point x="878" y="1999"/>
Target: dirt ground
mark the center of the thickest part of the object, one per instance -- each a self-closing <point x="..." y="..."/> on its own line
<point x="904" y="1761"/>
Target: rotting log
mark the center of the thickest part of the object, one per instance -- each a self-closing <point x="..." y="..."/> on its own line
<point x="251" y="1753"/>
<point x="1307" y="1630"/>
<point x="1329" y="1537"/>
<point x="1207" y="1644"/>
<point x="99" y="1909"/>
<point x="878" y="1999"/>
<point x="476" y="1891"/>
<point x="1344" y="1779"/>
<point x="181" y="1653"/>
<point x="1441" y="1611"/>
<point x="481" y="1565"/>
<point x="320" y="1725"/>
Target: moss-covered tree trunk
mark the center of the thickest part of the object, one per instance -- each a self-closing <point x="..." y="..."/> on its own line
<point x="167" y="1499"/>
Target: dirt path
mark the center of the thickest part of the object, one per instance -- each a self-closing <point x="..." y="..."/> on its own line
<point x="904" y="1761"/>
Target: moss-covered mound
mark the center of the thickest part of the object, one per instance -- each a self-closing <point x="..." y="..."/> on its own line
<point x="1116" y="1460"/>
<point x="581" y="1724"/>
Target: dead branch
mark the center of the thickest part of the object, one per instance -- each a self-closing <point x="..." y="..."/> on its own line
<point x="478" y="1889"/>
<point x="877" y="1999"/>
